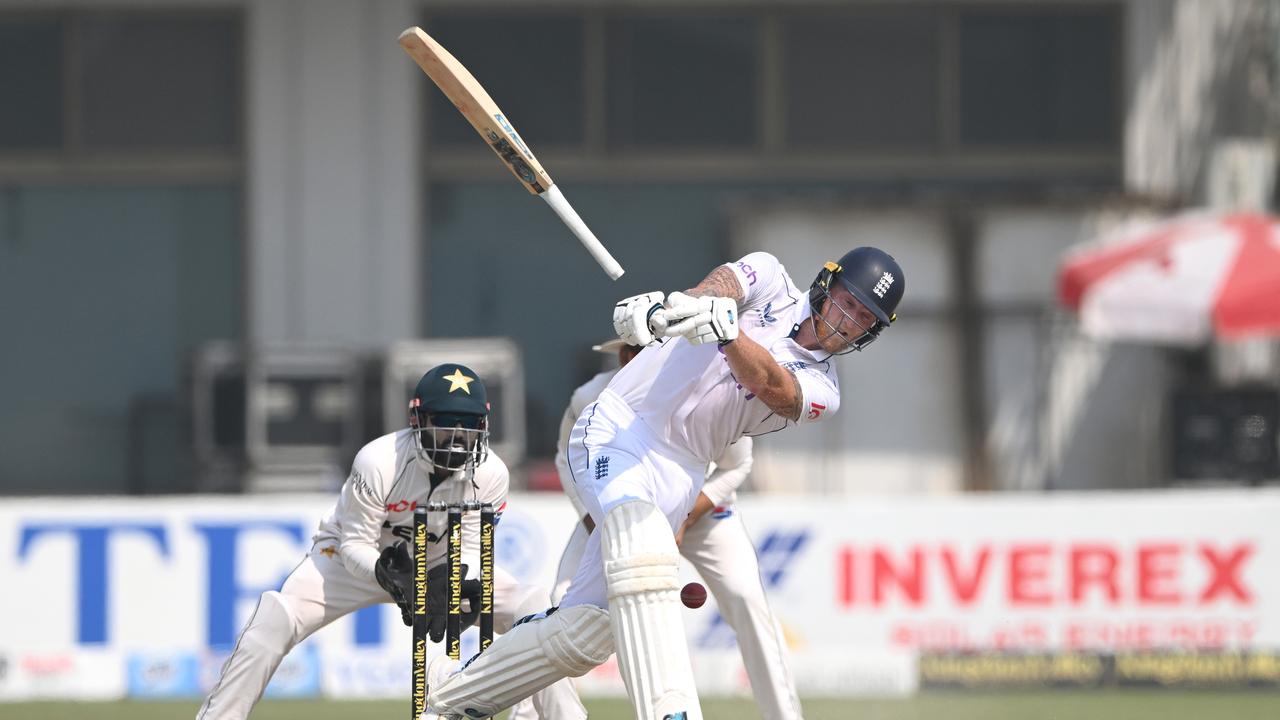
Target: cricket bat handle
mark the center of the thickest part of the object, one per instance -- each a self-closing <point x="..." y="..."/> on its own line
<point x="569" y="217"/>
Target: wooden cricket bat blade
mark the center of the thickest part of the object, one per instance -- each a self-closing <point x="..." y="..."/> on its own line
<point x="470" y="98"/>
<point x="466" y="94"/>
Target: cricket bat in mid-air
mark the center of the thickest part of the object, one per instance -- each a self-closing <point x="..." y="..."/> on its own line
<point x="484" y="115"/>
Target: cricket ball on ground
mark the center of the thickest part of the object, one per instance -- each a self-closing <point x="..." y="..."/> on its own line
<point x="693" y="595"/>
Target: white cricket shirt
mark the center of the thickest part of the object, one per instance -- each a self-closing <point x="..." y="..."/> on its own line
<point x="687" y="395"/>
<point x="725" y="476"/>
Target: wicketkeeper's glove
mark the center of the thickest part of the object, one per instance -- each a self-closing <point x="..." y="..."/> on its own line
<point x="438" y="600"/>
<point x="394" y="572"/>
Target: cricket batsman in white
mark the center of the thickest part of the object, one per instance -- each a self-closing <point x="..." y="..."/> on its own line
<point x="746" y="353"/>
<point x="714" y="539"/>
<point x="361" y="553"/>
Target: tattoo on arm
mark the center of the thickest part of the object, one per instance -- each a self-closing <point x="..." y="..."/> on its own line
<point x="720" y="282"/>
<point x="793" y="412"/>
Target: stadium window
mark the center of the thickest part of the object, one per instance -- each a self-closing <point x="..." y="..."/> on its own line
<point x="864" y="79"/>
<point x="680" y="82"/>
<point x="531" y="65"/>
<point x="1039" y="78"/>
<point x="163" y="81"/>
<point x="31" y="88"/>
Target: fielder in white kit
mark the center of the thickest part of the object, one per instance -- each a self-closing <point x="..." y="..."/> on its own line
<point x="638" y="457"/>
<point x="714" y="539"/>
<point x="361" y="554"/>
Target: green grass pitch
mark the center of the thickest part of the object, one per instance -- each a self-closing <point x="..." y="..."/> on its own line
<point x="1121" y="705"/>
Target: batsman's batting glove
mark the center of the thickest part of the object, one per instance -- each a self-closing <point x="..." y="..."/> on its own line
<point x="704" y="319"/>
<point x="438" y="601"/>
<point x="394" y="572"/>
<point x="634" y="318"/>
<point x="682" y="307"/>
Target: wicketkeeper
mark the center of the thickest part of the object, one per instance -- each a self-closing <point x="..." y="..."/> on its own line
<point x="362" y="553"/>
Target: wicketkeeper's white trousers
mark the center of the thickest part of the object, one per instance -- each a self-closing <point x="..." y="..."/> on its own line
<point x="722" y="552"/>
<point x="321" y="590"/>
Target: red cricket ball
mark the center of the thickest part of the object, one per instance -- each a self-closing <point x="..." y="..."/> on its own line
<point x="693" y="595"/>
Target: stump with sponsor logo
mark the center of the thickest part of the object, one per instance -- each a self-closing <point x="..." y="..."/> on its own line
<point x="454" y="513"/>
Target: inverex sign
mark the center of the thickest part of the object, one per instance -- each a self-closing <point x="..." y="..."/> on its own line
<point x="1045" y="574"/>
<point x="1104" y="571"/>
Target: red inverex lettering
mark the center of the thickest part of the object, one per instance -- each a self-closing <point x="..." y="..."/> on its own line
<point x="910" y="581"/>
<point x="1040" y="574"/>
<point x="1224" y="573"/>
<point x="1158" y="574"/>
<point x="1027" y="574"/>
<point x="844" y="575"/>
<point x="965" y="589"/>
<point x="1094" y="565"/>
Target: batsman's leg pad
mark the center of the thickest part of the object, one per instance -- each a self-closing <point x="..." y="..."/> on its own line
<point x="640" y="566"/>
<point x="567" y="643"/>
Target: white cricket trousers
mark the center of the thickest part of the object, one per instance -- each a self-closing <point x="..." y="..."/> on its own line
<point x="722" y="552"/>
<point x="321" y="590"/>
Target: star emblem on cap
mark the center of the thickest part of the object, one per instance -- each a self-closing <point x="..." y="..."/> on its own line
<point x="459" y="381"/>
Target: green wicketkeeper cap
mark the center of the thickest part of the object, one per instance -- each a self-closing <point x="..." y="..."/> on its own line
<point x="450" y="389"/>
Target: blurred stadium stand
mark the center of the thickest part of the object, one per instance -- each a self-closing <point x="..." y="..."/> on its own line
<point x="184" y="194"/>
<point x="291" y="419"/>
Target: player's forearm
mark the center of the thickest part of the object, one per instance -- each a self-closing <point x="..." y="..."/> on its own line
<point x="720" y="282"/>
<point x="358" y="558"/>
<point x="724" y="483"/>
<point x="757" y="371"/>
<point x="361" y="513"/>
<point x="701" y="506"/>
<point x="718" y="491"/>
